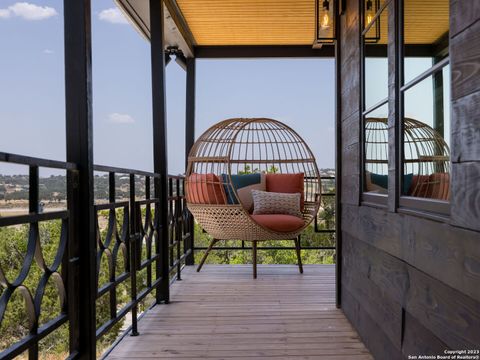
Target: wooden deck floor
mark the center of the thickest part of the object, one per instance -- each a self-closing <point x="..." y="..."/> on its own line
<point x="222" y="313"/>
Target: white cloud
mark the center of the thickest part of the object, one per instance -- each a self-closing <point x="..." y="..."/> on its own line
<point x="113" y="16"/>
<point x="4" y="13"/>
<point x="120" y="118"/>
<point x="28" y="11"/>
<point x="48" y="51"/>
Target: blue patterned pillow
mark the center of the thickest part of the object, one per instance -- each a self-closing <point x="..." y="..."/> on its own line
<point x="243" y="184"/>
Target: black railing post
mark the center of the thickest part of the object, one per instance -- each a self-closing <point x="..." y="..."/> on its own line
<point x="33" y="208"/>
<point x="111" y="199"/>
<point x="178" y="227"/>
<point x="143" y="229"/>
<point x="135" y="252"/>
<point x="160" y="165"/>
<point x="79" y="139"/>
<point x="171" y="223"/>
<point x="189" y="141"/>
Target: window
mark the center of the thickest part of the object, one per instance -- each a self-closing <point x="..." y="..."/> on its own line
<point x="374" y="102"/>
<point x="425" y="105"/>
<point x="418" y="128"/>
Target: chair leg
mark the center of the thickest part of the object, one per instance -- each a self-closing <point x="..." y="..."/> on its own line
<point x="214" y="241"/>
<point x="254" y="248"/>
<point x="299" y="258"/>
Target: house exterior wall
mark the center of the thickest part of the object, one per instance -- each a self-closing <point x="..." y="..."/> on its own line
<point x="410" y="283"/>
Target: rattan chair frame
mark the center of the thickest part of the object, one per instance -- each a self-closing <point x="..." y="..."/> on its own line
<point x="259" y="145"/>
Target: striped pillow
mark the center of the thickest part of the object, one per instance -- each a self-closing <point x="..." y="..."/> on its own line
<point x="265" y="202"/>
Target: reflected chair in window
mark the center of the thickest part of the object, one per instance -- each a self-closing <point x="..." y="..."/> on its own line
<point x="426" y="171"/>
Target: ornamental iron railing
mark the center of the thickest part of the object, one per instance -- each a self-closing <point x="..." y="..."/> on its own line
<point x="128" y="249"/>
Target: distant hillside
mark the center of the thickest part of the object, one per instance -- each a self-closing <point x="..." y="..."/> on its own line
<point x="54" y="188"/>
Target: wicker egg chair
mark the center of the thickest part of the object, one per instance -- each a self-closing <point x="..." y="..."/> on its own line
<point x="427" y="157"/>
<point x="237" y="147"/>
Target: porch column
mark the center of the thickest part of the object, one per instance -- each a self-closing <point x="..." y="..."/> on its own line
<point x="189" y="141"/>
<point x="160" y="165"/>
<point x="79" y="136"/>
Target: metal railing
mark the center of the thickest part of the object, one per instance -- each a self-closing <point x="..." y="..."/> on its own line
<point x="128" y="253"/>
<point x="180" y="226"/>
<point x="140" y="242"/>
<point x="57" y="270"/>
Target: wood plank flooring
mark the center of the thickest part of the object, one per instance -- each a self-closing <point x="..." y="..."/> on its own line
<point x="222" y="313"/>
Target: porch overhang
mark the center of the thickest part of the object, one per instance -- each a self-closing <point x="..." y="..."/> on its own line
<point x="272" y="28"/>
<point x="177" y="34"/>
<point x="234" y="29"/>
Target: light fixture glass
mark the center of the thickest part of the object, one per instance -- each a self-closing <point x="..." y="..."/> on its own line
<point x="325" y="11"/>
<point x="369" y="13"/>
<point x="371" y="7"/>
<point x="325" y="22"/>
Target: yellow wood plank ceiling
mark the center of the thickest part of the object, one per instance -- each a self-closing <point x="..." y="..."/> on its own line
<point x="250" y="22"/>
<point x="291" y="22"/>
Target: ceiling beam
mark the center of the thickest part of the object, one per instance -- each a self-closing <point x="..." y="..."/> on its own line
<point x="410" y="50"/>
<point x="181" y="23"/>
<point x="267" y="51"/>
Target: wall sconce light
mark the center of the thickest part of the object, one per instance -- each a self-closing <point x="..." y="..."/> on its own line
<point x="325" y="17"/>
<point x="371" y="9"/>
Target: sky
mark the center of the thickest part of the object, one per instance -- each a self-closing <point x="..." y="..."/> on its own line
<point x="299" y="92"/>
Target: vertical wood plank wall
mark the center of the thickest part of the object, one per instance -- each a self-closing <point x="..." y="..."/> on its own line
<point x="411" y="285"/>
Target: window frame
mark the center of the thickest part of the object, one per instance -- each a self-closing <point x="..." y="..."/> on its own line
<point x="431" y="208"/>
<point x="425" y="207"/>
<point x="369" y="198"/>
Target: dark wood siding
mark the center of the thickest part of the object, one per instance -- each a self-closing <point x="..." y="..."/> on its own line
<point x="411" y="285"/>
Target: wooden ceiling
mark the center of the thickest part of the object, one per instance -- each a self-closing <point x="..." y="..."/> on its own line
<point x="291" y="22"/>
<point x="426" y="21"/>
<point x="250" y="22"/>
<point x="271" y="22"/>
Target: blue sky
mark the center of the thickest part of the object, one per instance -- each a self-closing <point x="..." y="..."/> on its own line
<point x="298" y="92"/>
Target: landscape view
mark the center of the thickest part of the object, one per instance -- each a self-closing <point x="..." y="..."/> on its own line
<point x="14" y="192"/>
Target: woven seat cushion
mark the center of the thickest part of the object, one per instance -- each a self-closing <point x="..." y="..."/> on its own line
<point x="279" y="222"/>
<point x="205" y="189"/>
<point x="286" y="183"/>
<point x="243" y="184"/>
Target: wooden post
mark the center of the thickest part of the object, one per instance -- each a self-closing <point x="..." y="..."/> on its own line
<point x="338" y="163"/>
<point x="395" y="123"/>
<point x="189" y="141"/>
<point x="160" y="165"/>
<point x="438" y="101"/>
<point x="79" y="135"/>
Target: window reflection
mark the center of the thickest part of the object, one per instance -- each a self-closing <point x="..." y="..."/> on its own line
<point x="376" y="151"/>
<point x="376" y="61"/>
<point x="426" y="143"/>
<point x="426" y="104"/>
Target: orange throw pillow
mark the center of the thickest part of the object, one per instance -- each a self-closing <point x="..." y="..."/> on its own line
<point x="286" y="183"/>
<point x="439" y="186"/>
<point x="205" y="189"/>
